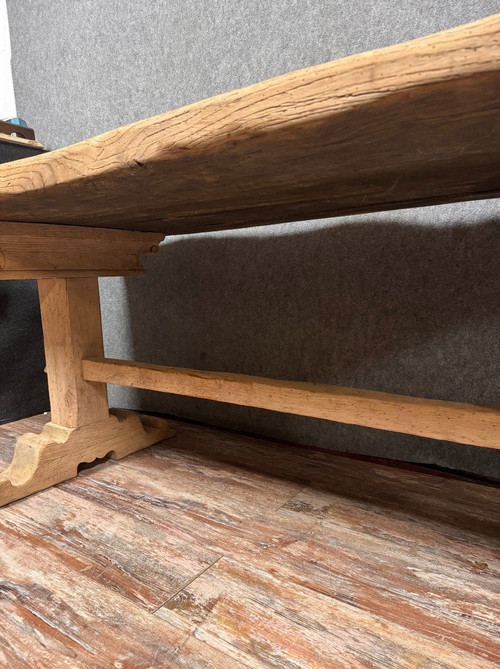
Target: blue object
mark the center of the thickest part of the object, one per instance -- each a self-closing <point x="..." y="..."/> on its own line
<point x="18" y="121"/>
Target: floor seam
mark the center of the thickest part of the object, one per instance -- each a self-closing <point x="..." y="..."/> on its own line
<point x="186" y="585"/>
<point x="299" y="492"/>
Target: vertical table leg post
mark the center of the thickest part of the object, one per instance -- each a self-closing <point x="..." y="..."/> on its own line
<point x="71" y="322"/>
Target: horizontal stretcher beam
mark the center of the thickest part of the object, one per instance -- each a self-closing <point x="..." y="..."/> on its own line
<point x="437" y="419"/>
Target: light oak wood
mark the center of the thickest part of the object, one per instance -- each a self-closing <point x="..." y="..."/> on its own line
<point x="450" y="421"/>
<point x="411" y="124"/>
<point x="71" y="321"/>
<point x="42" y="460"/>
<point x="35" y="251"/>
<point x="82" y="428"/>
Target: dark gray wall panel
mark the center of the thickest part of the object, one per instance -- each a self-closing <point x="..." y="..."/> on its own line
<point x="403" y="302"/>
<point x="23" y="384"/>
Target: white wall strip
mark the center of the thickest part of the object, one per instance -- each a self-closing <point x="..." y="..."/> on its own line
<point x="7" y="99"/>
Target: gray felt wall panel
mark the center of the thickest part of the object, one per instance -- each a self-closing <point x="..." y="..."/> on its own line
<point x="23" y="384"/>
<point x="404" y="302"/>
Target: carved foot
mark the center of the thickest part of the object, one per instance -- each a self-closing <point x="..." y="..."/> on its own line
<point x="42" y="460"/>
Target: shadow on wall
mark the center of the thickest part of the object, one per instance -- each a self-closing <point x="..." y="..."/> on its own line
<point x="373" y="303"/>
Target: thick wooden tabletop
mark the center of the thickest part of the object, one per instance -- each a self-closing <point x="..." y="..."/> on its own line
<point x="408" y="125"/>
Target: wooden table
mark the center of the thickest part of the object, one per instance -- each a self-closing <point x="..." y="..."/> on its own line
<point x="409" y="125"/>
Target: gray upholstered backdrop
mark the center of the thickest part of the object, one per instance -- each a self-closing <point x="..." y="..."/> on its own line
<point x="23" y="384"/>
<point x="406" y="302"/>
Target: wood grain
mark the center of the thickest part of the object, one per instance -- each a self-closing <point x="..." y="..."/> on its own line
<point x="461" y="508"/>
<point x="42" y="460"/>
<point x="65" y="618"/>
<point x="195" y="654"/>
<point x="372" y="567"/>
<point x="407" y="125"/>
<point x="32" y="251"/>
<point x="147" y="561"/>
<point x="246" y="612"/>
<point x="72" y="330"/>
<point x="258" y="554"/>
<point x="451" y="421"/>
<point x="379" y="557"/>
<point x="81" y="429"/>
<point x="226" y="492"/>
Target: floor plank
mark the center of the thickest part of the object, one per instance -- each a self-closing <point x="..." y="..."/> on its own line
<point x="192" y="482"/>
<point x="146" y="562"/>
<point x="267" y="621"/>
<point x="450" y="501"/>
<point x="217" y="549"/>
<point x="409" y="574"/>
<point x="195" y="654"/>
<point x="65" y="605"/>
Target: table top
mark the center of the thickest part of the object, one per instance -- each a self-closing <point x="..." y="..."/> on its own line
<point x="407" y="125"/>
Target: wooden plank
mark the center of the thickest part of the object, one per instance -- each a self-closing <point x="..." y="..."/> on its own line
<point x="407" y="125"/>
<point x="226" y="492"/>
<point x="378" y="564"/>
<point x="422" y="496"/>
<point x="72" y="330"/>
<point x="384" y="539"/>
<point x="26" y="641"/>
<point x="263" y="620"/>
<point x="63" y="615"/>
<point x="383" y="543"/>
<point x="33" y="251"/>
<point x="144" y="558"/>
<point x="12" y="139"/>
<point x="195" y="654"/>
<point x="364" y="538"/>
<point x="191" y="516"/>
<point x="450" y="421"/>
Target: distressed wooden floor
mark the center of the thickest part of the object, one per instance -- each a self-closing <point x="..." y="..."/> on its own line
<point x="219" y="550"/>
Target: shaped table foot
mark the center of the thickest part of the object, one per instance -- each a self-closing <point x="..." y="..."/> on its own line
<point x="42" y="460"/>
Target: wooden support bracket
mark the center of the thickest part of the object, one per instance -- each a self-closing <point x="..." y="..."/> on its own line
<point x="41" y="251"/>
